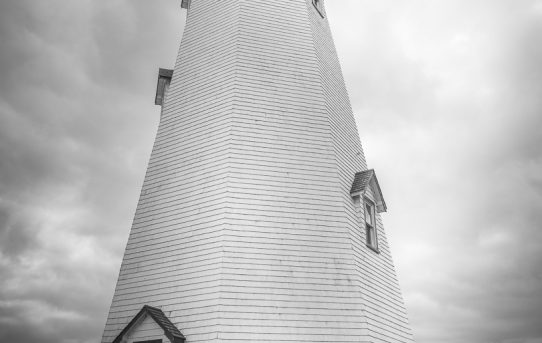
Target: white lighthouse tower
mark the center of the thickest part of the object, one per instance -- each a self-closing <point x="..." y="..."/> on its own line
<point x="259" y="219"/>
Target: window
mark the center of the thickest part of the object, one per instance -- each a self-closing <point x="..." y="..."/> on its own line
<point x="318" y="5"/>
<point x="370" y="224"/>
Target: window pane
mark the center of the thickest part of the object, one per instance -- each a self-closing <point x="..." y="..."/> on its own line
<point x="369" y="214"/>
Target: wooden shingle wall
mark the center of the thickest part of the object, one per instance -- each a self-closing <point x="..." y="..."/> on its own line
<point x="245" y="230"/>
<point x="383" y="307"/>
<point x="174" y="252"/>
<point x="147" y="330"/>
<point x="287" y="258"/>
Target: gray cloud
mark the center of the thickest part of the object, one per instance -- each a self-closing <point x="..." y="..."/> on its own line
<point x="76" y="105"/>
<point x="462" y="129"/>
<point x="16" y="235"/>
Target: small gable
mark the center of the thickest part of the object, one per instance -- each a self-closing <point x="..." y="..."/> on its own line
<point x="365" y="179"/>
<point x="150" y="324"/>
<point x="146" y="331"/>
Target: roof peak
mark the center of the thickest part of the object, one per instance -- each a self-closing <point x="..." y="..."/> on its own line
<point x="368" y="178"/>
<point x="170" y="330"/>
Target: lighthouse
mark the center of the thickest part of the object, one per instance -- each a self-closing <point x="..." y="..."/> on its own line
<point x="259" y="219"/>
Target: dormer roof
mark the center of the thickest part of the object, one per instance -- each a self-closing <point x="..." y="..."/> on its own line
<point x="170" y="331"/>
<point x="365" y="179"/>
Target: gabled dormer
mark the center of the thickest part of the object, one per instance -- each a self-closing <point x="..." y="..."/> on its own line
<point x="150" y="325"/>
<point x="365" y="179"/>
<point x="162" y="85"/>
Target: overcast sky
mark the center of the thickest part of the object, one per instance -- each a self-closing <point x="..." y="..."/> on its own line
<point x="448" y="101"/>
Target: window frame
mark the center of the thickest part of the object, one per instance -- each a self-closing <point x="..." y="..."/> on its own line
<point x="318" y="4"/>
<point x="371" y="230"/>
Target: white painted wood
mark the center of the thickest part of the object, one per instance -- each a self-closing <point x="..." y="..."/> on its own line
<point x="147" y="330"/>
<point x="245" y="230"/>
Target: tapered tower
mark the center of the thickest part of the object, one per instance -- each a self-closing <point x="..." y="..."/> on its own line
<point x="258" y="220"/>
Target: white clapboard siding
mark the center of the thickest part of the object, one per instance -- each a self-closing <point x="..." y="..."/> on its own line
<point x="285" y="207"/>
<point x="383" y="305"/>
<point x="245" y="230"/>
<point x="174" y="251"/>
<point x="147" y="330"/>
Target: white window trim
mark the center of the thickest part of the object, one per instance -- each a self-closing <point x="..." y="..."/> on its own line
<point x="370" y="240"/>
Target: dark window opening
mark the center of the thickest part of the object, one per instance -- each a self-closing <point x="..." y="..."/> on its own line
<point x="370" y="224"/>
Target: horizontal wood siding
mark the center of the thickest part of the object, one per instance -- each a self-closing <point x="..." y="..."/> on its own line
<point x="383" y="306"/>
<point x="174" y="252"/>
<point x="245" y="230"/>
<point x="147" y="330"/>
<point x="287" y="271"/>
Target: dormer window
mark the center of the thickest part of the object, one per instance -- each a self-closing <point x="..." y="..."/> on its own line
<point x="164" y="79"/>
<point x="370" y="224"/>
<point x="152" y="325"/>
<point x="319" y="6"/>
<point x="366" y="190"/>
